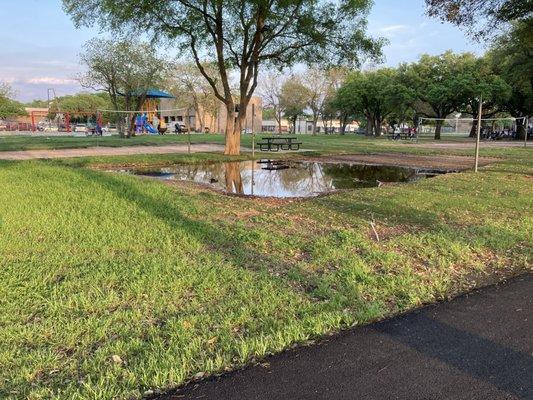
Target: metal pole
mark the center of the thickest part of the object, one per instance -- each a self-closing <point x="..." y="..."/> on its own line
<point x="525" y="128"/>
<point x="478" y="132"/>
<point x="253" y="136"/>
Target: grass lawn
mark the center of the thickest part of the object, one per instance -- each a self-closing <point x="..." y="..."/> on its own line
<point x="111" y="285"/>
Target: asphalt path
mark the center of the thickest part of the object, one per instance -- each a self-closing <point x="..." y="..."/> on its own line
<point x="477" y="346"/>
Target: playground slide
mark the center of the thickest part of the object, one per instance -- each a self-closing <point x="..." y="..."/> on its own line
<point x="151" y="129"/>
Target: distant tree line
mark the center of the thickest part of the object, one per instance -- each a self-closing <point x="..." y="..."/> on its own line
<point x="432" y="87"/>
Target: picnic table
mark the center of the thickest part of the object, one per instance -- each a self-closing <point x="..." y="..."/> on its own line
<point x="403" y="136"/>
<point x="275" y="143"/>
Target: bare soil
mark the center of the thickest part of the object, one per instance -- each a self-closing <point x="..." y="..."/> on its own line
<point x="437" y="162"/>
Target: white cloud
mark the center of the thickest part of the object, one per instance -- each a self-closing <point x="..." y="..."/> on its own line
<point x="49" y="80"/>
<point x="392" y="28"/>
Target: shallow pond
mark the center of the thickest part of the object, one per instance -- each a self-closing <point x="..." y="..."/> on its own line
<point x="268" y="178"/>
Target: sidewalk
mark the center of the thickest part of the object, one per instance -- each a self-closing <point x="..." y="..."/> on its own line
<point x="108" y="151"/>
<point x="478" y="346"/>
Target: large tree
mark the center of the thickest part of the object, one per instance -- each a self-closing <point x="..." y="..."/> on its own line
<point x="193" y="93"/>
<point x="374" y="95"/>
<point x="440" y="84"/>
<point x="294" y="99"/>
<point x="240" y="35"/>
<point x="271" y="91"/>
<point x="480" y="81"/>
<point x="318" y="87"/>
<point x="511" y="57"/>
<point x="125" y="70"/>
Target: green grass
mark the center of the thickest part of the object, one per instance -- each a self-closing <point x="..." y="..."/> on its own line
<point x="111" y="285"/>
<point x="320" y="143"/>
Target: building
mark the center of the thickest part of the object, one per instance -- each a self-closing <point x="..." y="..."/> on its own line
<point x="305" y="126"/>
<point x="211" y="123"/>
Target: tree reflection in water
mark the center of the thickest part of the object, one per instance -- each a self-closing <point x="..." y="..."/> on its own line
<point x="234" y="178"/>
<point x="301" y="179"/>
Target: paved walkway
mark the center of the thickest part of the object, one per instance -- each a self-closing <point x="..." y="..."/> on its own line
<point x="108" y="151"/>
<point x="478" y="346"/>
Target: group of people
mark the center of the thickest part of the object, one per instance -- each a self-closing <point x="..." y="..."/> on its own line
<point x="397" y="132"/>
<point x="490" y="134"/>
<point x="155" y="126"/>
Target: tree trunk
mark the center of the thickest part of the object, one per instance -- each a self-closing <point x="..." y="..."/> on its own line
<point x="438" y="128"/>
<point x="315" y="122"/>
<point x="473" y="129"/>
<point x="187" y="120"/>
<point x="377" y="126"/>
<point x="233" y="131"/>
<point x="233" y="178"/>
<point x="294" y="119"/>
<point x="520" y="129"/>
<point x="369" y="127"/>
<point x="343" y="123"/>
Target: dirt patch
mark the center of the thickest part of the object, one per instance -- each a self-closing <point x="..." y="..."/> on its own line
<point x="436" y="162"/>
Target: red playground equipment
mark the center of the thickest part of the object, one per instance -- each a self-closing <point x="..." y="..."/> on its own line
<point x="63" y="121"/>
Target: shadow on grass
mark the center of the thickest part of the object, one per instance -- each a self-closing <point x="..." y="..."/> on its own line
<point x="213" y="237"/>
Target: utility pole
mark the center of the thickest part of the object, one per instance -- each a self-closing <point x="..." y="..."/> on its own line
<point x="480" y="109"/>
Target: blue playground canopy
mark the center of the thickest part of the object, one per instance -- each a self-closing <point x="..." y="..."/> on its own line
<point x="158" y="94"/>
<point x="152" y="94"/>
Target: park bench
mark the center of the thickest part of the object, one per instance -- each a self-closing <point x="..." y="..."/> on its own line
<point x="275" y="143"/>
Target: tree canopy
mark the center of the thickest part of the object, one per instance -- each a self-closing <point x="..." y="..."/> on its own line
<point x="440" y="83"/>
<point x="511" y="58"/>
<point x="241" y="35"/>
<point x="8" y="106"/>
<point x="294" y="99"/>
<point x="373" y="95"/>
<point x="480" y="17"/>
<point x="125" y="70"/>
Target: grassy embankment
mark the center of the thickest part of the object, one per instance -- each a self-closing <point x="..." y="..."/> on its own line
<point x="111" y="285"/>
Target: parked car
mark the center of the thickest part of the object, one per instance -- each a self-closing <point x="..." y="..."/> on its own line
<point x="79" y="128"/>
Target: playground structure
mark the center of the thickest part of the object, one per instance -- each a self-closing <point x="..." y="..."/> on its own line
<point x="60" y="121"/>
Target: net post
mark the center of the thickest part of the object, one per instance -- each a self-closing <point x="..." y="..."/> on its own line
<point x="478" y="132"/>
<point x="253" y="134"/>
<point x="526" y="122"/>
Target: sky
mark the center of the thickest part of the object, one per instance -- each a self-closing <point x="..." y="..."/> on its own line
<point x="40" y="44"/>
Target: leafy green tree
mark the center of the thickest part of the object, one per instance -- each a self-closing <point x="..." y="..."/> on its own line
<point x="479" y="79"/>
<point x="294" y="99"/>
<point x="440" y="84"/>
<point x="9" y="107"/>
<point x="512" y="59"/>
<point x="124" y="70"/>
<point x="346" y="106"/>
<point x="37" y="103"/>
<point x="78" y="103"/>
<point x="374" y="95"/>
<point x="240" y="35"/>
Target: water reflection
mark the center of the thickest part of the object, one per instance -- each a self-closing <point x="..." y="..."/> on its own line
<point x="282" y="179"/>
